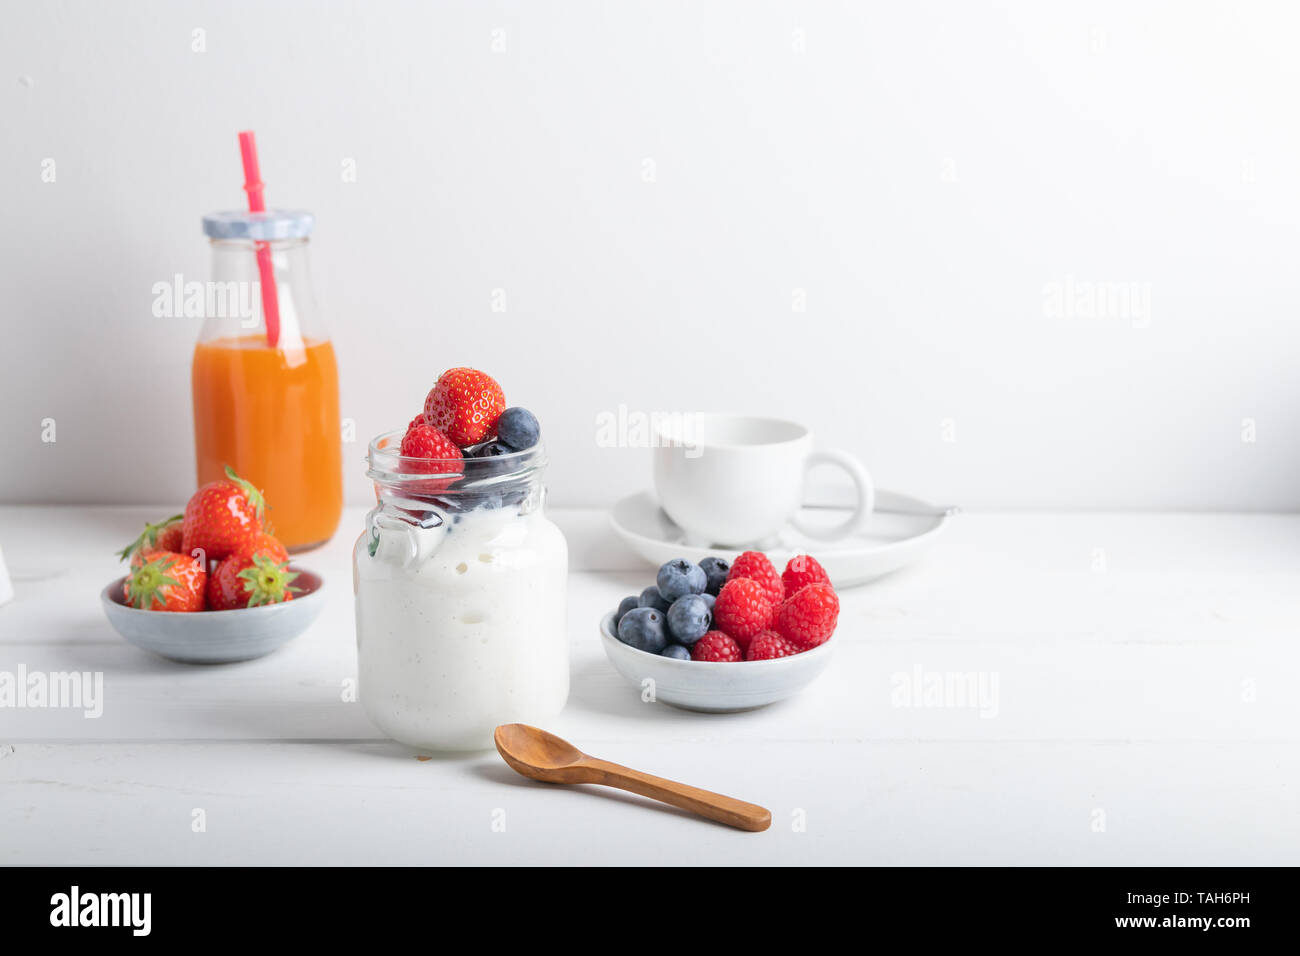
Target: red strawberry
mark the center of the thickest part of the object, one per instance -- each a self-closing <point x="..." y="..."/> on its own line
<point x="755" y="566"/>
<point x="434" y="454"/>
<point x="742" y="610"/>
<point x="768" y="646"/>
<point x="165" y="535"/>
<point x="269" y="545"/>
<point x="808" y="619"/>
<point x="801" y="571"/>
<point x="223" y="517"/>
<point x="166" y="581"/>
<point x="465" y="404"/>
<point x="716" y="646"/>
<point x="249" y="580"/>
<point x="172" y="536"/>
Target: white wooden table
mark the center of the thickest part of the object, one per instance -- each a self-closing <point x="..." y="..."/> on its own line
<point x="1147" y="710"/>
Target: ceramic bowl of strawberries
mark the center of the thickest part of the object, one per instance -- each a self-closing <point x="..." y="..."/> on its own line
<point x="212" y="585"/>
<point x="723" y="637"/>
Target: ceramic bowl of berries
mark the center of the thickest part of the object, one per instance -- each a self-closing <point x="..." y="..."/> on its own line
<point x="212" y="585"/>
<point x="723" y="637"/>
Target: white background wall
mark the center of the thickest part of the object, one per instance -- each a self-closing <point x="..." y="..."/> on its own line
<point x="923" y="171"/>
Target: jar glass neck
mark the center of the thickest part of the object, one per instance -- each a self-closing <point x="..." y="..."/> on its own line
<point x="433" y="489"/>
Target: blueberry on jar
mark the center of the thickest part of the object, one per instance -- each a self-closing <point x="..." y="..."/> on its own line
<point x="517" y="429"/>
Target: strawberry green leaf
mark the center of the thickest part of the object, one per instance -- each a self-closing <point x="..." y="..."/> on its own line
<point x="151" y="583"/>
<point x="148" y="537"/>
<point x="268" y="581"/>
<point x="253" y="494"/>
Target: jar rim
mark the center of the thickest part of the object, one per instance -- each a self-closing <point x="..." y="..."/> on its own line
<point x="388" y="465"/>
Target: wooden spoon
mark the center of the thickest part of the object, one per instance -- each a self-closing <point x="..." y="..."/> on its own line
<point x="542" y="756"/>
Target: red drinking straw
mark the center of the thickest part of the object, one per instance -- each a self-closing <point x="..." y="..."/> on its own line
<point x="253" y="186"/>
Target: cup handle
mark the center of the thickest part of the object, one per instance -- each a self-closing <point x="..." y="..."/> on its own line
<point x="866" y="494"/>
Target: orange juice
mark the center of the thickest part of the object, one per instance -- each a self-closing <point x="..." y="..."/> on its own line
<point x="272" y="414"/>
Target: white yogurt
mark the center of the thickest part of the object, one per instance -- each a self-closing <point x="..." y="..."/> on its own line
<point x="462" y="627"/>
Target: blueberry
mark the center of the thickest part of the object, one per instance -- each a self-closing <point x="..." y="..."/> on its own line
<point x="517" y="428"/>
<point x="676" y="651"/>
<point x="484" y="453"/>
<point x="715" y="570"/>
<point x="679" y="578"/>
<point x="465" y="501"/>
<point x="643" y="628"/>
<point x="624" y="606"/>
<point x="708" y="599"/>
<point x="689" y="619"/>
<point x="651" y="597"/>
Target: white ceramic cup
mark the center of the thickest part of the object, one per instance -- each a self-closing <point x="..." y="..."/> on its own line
<point x="738" y="480"/>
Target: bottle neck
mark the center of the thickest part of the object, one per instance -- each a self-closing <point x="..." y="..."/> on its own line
<point x="237" y="295"/>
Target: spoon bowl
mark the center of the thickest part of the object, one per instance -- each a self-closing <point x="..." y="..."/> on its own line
<point x="537" y="754"/>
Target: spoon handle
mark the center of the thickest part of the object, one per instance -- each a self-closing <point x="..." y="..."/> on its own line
<point x="715" y="806"/>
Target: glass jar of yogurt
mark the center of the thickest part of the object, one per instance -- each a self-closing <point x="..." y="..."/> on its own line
<point x="460" y="596"/>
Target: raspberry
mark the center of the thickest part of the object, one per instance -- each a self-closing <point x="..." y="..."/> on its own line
<point x="768" y="646"/>
<point x="465" y="404"/>
<point x="716" y="646"/>
<point x="755" y="566"/>
<point x="422" y="441"/>
<point x="808" y="618"/>
<point x="742" y="610"/>
<point x="440" y="454"/>
<point x="801" y="571"/>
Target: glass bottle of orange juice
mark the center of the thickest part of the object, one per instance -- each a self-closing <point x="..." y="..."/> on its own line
<point x="266" y="395"/>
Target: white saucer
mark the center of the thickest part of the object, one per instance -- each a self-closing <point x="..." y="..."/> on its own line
<point x="901" y="530"/>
